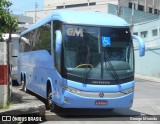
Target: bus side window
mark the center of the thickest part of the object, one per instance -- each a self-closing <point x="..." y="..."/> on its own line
<point x="57" y="25"/>
<point x="41" y="38"/>
<point x="24" y="44"/>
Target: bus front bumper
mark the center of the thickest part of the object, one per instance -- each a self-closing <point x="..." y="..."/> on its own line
<point x="70" y="100"/>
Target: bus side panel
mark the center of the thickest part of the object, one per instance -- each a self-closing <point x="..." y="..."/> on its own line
<point x="37" y="66"/>
<point x="57" y="91"/>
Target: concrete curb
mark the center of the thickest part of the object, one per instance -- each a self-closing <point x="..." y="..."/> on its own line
<point x="23" y="104"/>
<point x="153" y="79"/>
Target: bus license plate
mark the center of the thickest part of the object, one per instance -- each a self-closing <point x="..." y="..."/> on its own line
<point x="100" y="102"/>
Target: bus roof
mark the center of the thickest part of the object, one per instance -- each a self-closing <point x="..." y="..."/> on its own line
<point x="82" y="18"/>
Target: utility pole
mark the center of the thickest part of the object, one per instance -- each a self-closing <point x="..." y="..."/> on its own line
<point x="118" y="8"/>
<point x="132" y="17"/>
<point x="64" y="5"/>
<point x="36" y="6"/>
<point x="88" y="5"/>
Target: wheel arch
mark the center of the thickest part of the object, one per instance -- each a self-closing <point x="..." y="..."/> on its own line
<point x="49" y="84"/>
<point x="21" y="78"/>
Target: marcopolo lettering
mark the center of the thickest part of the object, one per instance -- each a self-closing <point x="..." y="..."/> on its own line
<point x="75" y="32"/>
<point x="100" y="82"/>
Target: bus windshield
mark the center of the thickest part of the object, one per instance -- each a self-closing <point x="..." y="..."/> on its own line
<point x="89" y="59"/>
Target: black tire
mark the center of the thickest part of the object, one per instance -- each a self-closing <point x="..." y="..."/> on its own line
<point x="24" y="88"/>
<point x="50" y="104"/>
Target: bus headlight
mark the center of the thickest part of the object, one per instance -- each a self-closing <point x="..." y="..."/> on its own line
<point x="73" y="90"/>
<point x="127" y="91"/>
<point x="70" y="89"/>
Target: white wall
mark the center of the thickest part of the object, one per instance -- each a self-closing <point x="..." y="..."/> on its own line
<point x="150" y="40"/>
<point x="3" y="62"/>
<point x="149" y="65"/>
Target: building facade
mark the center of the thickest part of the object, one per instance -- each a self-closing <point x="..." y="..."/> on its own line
<point x="150" y="6"/>
<point x="24" y="22"/>
<point x="150" y="32"/>
<point x="126" y="13"/>
<point x="92" y="5"/>
<point x="83" y="5"/>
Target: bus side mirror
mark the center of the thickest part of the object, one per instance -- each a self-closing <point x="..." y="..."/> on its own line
<point x="58" y="49"/>
<point x="58" y="41"/>
<point x="141" y="45"/>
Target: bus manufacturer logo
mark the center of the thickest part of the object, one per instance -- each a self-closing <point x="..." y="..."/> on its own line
<point x="75" y="32"/>
<point x="101" y="82"/>
<point x="101" y="94"/>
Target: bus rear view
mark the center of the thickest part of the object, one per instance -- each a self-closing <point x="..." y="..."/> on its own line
<point x="90" y="64"/>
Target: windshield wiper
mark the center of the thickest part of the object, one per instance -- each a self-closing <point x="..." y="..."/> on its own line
<point x="115" y="75"/>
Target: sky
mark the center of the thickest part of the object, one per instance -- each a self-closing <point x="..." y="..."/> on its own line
<point x="20" y="6"/>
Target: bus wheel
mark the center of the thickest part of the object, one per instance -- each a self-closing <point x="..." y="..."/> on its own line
<point x="24" y="88"/>
<point x="50" y="104"/>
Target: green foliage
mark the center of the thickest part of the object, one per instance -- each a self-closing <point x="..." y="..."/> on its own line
<point x="7" y="105"/>
<point x="8" y="23"/>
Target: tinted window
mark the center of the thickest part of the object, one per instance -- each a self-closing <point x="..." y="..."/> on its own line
<point x="38" y="39"/>
<point x="41" y="38"/>
<point x="25" y="46"/>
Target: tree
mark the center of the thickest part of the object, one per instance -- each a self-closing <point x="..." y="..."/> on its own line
<point x="8" y="24"/>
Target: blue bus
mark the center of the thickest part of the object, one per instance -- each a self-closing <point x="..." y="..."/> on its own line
<point x="79" y="60"/>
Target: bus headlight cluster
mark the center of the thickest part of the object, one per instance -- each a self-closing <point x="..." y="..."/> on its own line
<point x="127" y="91"/>
<point x="70" y="89"/>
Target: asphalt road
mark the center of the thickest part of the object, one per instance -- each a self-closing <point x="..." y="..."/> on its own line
<point x="146" y="103"/>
